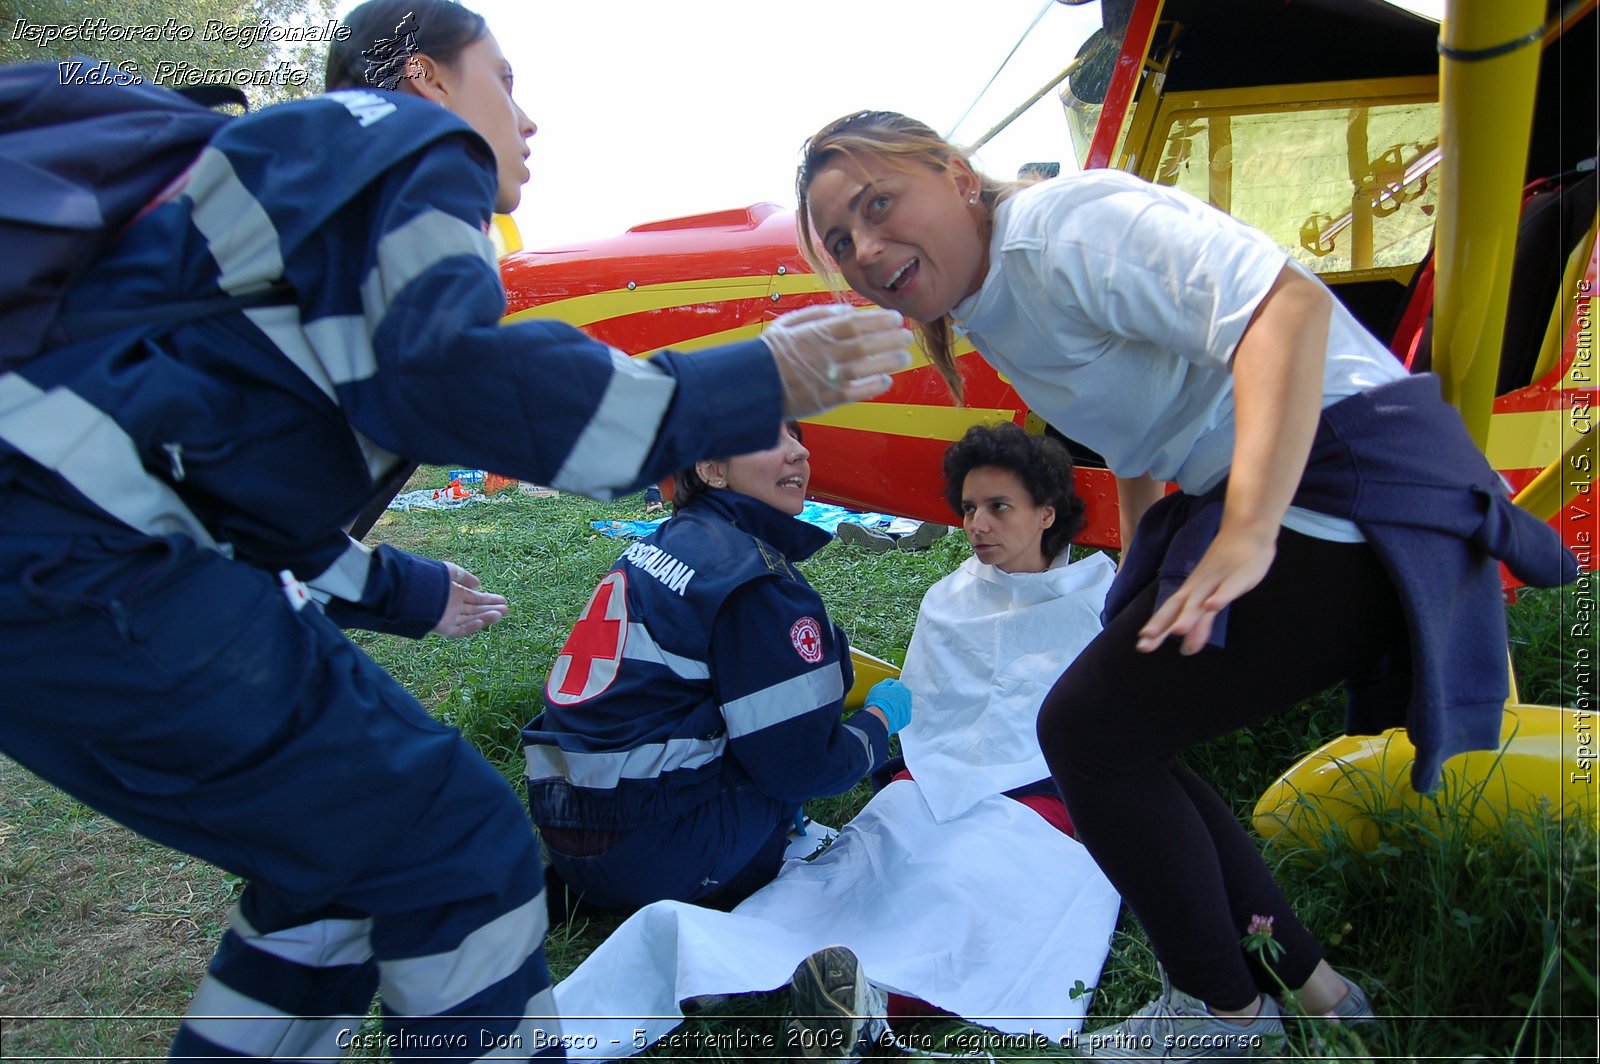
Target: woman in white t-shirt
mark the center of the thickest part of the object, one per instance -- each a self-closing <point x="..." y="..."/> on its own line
<point x="1183" y="346"/>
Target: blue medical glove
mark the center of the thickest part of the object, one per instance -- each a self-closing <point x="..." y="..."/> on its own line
<point x="894" y="699"/>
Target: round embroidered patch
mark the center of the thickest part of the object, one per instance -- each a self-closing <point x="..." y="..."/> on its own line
<point x="807" y="638"/>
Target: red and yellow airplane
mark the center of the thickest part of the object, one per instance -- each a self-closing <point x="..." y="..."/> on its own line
<point x="1318" y="121"/>
<point x="1438" y="176"/>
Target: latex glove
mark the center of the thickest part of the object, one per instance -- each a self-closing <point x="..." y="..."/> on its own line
<point x="468" y="609"/>
<point x="893" y="699"/>
<point x="831" y="354"/>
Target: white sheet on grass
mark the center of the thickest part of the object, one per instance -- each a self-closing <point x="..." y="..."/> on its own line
<point x="983" y="909"/>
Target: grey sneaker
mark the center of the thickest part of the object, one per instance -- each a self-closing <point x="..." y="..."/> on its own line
<point x="862" y="536"/>
<point x="923" y="536"/>
<point x="835" y="1015"/>
<point x="1355" y="1008"/>
<point x="1177" y="1027"/>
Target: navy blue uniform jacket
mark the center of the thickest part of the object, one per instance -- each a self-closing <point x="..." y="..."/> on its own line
<point x="703" y="664"/>
<point x="263" y="432"/>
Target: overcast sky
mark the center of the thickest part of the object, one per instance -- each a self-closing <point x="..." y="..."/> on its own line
<point x="650" y="109"/>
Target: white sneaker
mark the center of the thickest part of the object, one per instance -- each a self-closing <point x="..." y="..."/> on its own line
<point x="1178" y="1027"/>
<point x="1354" y="1008"/>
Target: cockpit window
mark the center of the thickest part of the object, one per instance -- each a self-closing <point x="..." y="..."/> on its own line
<point x="1344" y="185"/>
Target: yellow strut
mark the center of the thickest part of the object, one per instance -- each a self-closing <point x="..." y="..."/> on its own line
<point x="1488" y="71"/>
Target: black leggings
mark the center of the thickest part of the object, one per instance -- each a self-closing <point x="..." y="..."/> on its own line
<point x="1112" y="727"/>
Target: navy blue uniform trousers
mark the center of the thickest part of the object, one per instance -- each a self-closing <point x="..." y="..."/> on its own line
<point x="182" y="694"/>
<point x="715" y="855"/>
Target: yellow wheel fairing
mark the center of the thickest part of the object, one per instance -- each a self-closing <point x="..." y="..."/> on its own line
<point x="1351" y="784"/>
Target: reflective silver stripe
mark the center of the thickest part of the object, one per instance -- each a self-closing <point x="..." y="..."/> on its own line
<point x="380" y="463"/>
<point x="329" y="351"/>
<point x="80" y="442"/>
<point x="333" y="350"/>
<point x="427" y="986"/>
<point x="605" y="769"/>
<point x="281" y="325"/>
<point x="794" y="697"/>
<point x="343" y="347"/>
<point x="411" y="250"/>
<point x="320" y="944"/>
<point x="540" y="1028"/>
<point x="238" y="230"/>
<point x="641" y="646"/>
<point x="613" y="446"/>
<point x="346" y="578"/>
<point x="227" y="1018"/>
<point x="866" y="742"/>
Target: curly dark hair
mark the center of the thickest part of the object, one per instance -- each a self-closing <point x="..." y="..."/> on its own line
<point x="1041" y="463"/>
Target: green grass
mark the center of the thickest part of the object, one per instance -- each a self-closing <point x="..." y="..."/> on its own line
<point x="98" y="927"/>
<point x="1476" y="947"/>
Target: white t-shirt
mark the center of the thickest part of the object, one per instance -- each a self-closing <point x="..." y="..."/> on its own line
<point x="1114" y="306"/>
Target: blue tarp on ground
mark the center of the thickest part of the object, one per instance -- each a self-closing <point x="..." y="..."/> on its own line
<point x="824" y="515"/>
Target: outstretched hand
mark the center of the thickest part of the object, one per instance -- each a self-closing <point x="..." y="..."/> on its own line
<point x="468" y="609"/>
<point x="830" y="354"/>
<point x="1231" y="566"/>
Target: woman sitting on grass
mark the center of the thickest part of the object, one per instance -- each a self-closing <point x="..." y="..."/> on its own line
<point x="696" y="704"/>
<point x="943" y="888"/>
<point x="986" y="648"/>
<point x="981" y="631"/>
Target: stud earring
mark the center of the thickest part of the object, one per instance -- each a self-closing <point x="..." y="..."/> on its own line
<point x="973" y="199"/>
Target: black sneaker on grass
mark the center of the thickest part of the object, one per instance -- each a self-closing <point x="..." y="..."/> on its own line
<point x="923" y="536"/>
<point x="862" y="536"/>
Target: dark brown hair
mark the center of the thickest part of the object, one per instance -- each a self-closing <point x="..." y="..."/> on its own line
<point x="902" y="141"/>
<point x="688" y="485"/>
<point x="1041" y="463"/>
<point x="366" y="59"/>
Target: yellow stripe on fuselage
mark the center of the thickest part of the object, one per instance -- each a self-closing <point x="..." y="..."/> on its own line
<point x="947" y="423"/>
<point x="799" y="284"/>
<point x="726" y="336"/>
<point x="620" y="302"/>
<point x="580" y="311"/>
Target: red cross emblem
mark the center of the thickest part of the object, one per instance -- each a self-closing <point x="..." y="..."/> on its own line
<point x="807" y="638"/>
<point x="592" y="654"/>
